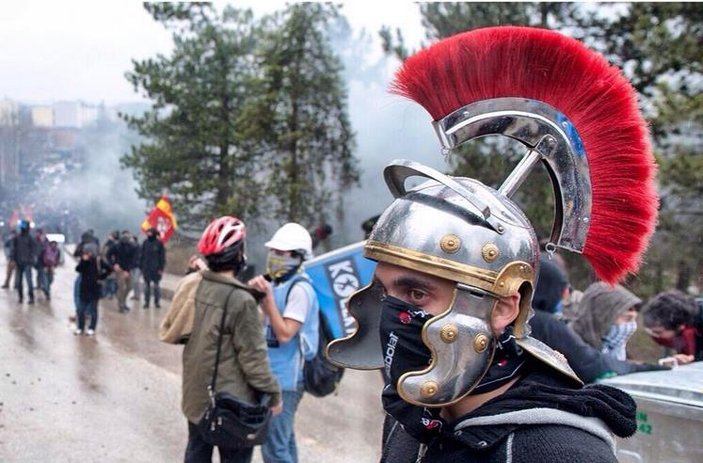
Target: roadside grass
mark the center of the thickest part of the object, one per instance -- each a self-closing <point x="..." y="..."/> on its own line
<point x="177" y="255"/>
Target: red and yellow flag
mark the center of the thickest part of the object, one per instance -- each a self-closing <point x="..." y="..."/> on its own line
<point x="162" y="218"/>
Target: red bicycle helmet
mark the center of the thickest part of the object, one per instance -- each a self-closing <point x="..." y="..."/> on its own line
<point x="221" y="235"/>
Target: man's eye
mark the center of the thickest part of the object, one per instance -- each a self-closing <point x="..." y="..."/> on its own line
<point x="416" y="295"/>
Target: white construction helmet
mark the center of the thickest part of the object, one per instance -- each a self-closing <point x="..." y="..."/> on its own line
<point x="292" y="237"/>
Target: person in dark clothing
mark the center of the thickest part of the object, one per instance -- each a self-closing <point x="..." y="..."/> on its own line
<point x="675" y="320"/>
<point x="24" y="253"/>
<point x="457" y="260"/>
<point x="86" y="238"/>
<point x="589" y="363"/>
<point x="110" y="285"/>
<point x="552" y="286"/>
<point x="92" y="269"/>
<point x="519" y="426"/>
<point x="136" y="272"/>
<point x="463" y="378"/>
<point x="153" y="261"/>
<point x="121" y="258"/>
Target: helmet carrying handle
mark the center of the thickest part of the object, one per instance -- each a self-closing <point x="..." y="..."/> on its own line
<point x="399" y="170"/>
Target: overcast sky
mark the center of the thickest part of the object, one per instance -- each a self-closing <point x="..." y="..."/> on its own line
<point x="68" y="50"/>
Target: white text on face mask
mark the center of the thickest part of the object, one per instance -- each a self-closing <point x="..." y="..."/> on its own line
<point x="390" y="351"/>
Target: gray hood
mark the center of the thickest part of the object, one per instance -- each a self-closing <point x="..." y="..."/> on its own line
<point x="600" y="306"/>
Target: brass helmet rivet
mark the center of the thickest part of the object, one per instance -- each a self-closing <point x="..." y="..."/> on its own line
<point x="449" y="333"/>
<point x="429" y="389"/>
<point x="450" y="243"/>
<point x="490" y="252"/>
<point x="501" y="284"/>
<point x="480" y="342"/>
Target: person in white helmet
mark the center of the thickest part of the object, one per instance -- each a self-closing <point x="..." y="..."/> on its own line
<point x="291" y="309"/>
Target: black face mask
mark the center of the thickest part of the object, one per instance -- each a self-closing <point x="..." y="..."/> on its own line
<point x="508" y="360"/>
<point x="404" y="351"/>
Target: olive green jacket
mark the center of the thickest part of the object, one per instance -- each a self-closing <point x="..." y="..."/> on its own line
<point x="244" y="367"/>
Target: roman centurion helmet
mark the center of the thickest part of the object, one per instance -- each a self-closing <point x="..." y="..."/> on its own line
<point x="575" y="114"/>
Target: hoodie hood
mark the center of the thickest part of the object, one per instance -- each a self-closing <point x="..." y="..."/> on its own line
<point x="540" y="391"/>
<point x="551" y="283"/>
<point x="542" y="398"/>
<point x="600" y="306"/>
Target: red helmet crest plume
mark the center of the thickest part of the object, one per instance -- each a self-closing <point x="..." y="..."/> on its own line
<point x="563" y="73"/>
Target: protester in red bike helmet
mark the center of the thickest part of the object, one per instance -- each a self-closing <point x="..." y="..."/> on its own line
<point x="199" y="301"/>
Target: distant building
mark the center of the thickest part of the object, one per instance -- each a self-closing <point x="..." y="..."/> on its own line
<point x="43" y="116"/>
<point x="9" y="113"/>
<point x="9" y="144"/>
<point x="74" y="114"/>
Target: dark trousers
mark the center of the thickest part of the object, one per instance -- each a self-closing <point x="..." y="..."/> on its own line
<point x="89" y="308"/>
<point x="45" y="276"/>
<point x="147" y="291"/>
<point x="24" y="270"/>
<point x="199" y="451"/>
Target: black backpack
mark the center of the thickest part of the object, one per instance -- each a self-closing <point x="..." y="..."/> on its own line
<point x="320" y="376"/>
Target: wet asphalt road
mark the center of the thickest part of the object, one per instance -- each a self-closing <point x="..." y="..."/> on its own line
<point x="115" y="397"/>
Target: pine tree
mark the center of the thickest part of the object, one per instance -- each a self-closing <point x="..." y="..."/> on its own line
<point x="299" y="116"/>
<point x="192" y="145"/>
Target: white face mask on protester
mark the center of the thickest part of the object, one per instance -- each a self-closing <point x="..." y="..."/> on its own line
<point x="615" y="340"/>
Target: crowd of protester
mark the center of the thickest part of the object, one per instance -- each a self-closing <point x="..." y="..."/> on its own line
<point x="110" y="271"/>
<point x="595" y="326"/>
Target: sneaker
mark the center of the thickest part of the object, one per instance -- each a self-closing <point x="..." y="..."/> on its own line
<point x="157" y="305"/>
<point x="77" y="332"/>
<point x="146" y="306"/>
<point x="90" y="332"/>
<point x="31" y="301"/>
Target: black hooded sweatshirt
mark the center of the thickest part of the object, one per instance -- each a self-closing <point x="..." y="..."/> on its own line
<point x="542" y="418"/>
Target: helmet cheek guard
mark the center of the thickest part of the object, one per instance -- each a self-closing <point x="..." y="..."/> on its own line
<point x="462" y="345"/>
<point x="362" y="349"/>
